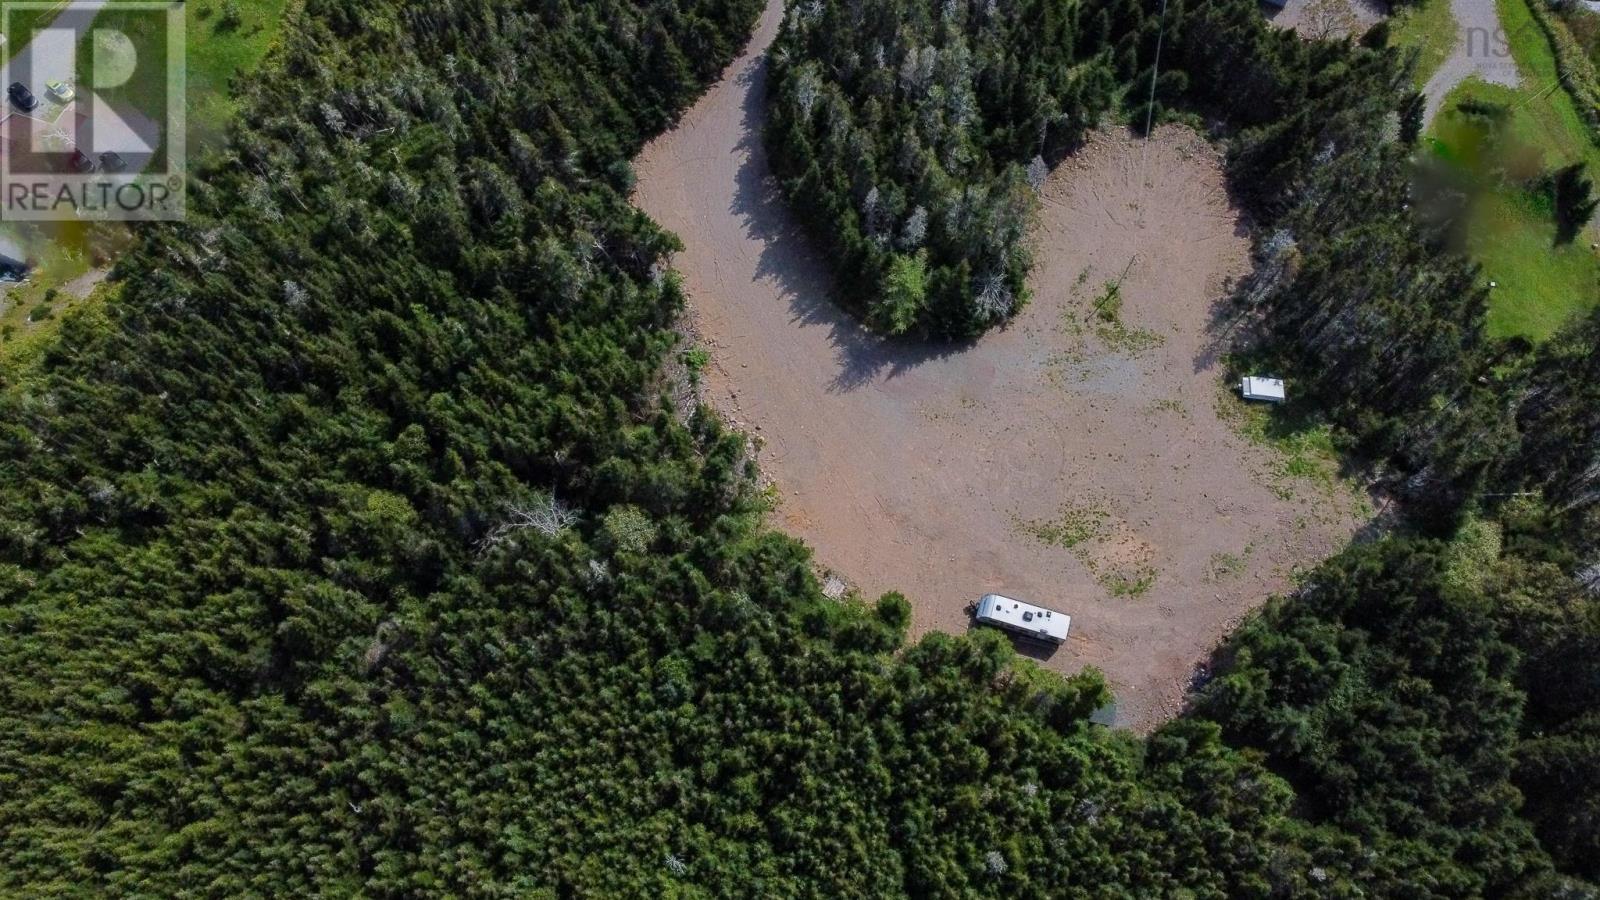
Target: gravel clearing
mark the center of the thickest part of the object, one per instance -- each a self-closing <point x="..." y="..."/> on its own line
<point x="1075" y="459"/>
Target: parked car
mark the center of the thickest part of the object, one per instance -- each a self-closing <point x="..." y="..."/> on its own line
<point x="112" y="162"/>
<point x="60" y="91"/>
<point x="21" y="96"/>
<point x="80" y="162"/>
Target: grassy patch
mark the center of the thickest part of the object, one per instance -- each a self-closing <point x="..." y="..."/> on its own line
<point x="20" y="24"/>
<point x="1133" y="582"/>
<point x="1073" y="526"/>
<point x="1428" y="28"/>
<point x="24" y="308"/>
<point x="1108" y="306"/>
<point x="22" y="347"/>
<point x="225" y="39"/>
<point x="1123" y="339"/>
<point x="1539" y="284"/>
<point x="1110" y="328"/>
<point x="1303" y="449"/>
<point x="1170" y="405"/>
<point x="1119" y="561"/>
<point x="222" y="40"/>
<point x="1227" y="565"/>
<point x="59" y="252"/>
<point x="695" y="360"/>
<point x="1473" y="553"/>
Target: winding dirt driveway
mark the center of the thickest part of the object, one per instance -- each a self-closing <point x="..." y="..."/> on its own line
<point x="1481" y="50"/>
<point x="1074" y="460"/>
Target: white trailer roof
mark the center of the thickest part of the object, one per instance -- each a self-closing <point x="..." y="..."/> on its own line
<point x="1257" y="388"/>
<point x="1023" y="617"/>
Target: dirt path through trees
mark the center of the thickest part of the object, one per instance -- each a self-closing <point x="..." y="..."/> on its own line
<point x="1481" y="50"/>
<point x="1075" y="459"/>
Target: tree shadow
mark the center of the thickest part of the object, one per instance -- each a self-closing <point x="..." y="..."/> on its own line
<point x="790" y="260"/>
<point x="1227" y="321"/>
<point x="1033" y="648"/>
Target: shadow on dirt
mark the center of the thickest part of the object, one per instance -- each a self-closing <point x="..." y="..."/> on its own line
<point x="1227" y="322"/>
<point x="790" y="260"/>
<point x="1031" y="647"/>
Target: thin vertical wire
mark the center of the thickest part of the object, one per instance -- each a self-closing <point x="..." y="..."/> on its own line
<point x="1150" y="108"/>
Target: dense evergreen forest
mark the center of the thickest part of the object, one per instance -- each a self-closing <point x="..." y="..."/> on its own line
<point x="910" y="137"/>
<point x="351" y="548"/>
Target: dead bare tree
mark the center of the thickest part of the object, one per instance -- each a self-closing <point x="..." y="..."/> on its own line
<point x="546" y="515"/>
<point x="1037" y="172"/>
<point x="994" y="298"/>
<point x="1329" y="19"/>
<point x="1588" y="578"/>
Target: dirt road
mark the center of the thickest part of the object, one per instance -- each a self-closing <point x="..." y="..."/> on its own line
<point x="1071" y="459"/>
<point x="1481" y="50"/>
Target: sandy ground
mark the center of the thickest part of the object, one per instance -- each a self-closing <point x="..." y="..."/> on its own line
<point x="1481" y="50"/>
<point x="946" y="472"/>
<point x="1327" y="18"/>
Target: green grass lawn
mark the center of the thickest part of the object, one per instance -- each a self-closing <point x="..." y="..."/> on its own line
<point x="1429" y="29"/>
<point x="223" y="39"/>
<point x="21" y="21"/>
<point x="1304" y="447"/>
<point x="226" y="38"/>
<point x="1540" y="285"/>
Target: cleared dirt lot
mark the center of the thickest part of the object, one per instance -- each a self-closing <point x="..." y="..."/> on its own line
<point x="1071" y="459"/>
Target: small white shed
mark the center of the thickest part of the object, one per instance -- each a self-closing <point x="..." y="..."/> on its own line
<point x="1023" y="618"/>
<point x="1257" y="388"/>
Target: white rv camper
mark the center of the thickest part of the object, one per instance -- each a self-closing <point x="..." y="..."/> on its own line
<point x="1267" y="389"/>
<point x="1023" y="618"/>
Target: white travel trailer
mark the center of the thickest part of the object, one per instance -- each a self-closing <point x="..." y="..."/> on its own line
<point x="1268" y="389"/>
<point x="1023" y="618"/>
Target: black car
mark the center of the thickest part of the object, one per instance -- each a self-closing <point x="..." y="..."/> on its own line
<point x="21" y="96"/>
<point x="112" y="162"/>
<point x="80" y="162"/>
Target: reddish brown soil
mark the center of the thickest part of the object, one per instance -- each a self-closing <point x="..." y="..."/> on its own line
<point x="946" y="472"/>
